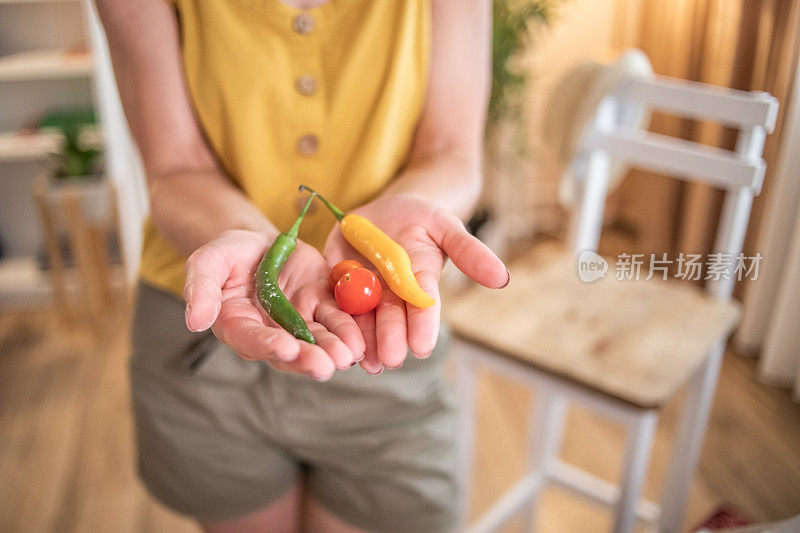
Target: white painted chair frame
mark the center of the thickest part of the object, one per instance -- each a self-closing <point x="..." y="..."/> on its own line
<point x="740" y="173"/>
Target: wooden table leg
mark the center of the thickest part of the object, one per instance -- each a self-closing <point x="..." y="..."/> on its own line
<point x="56" y="260"/>
<point x="82" y="246"/>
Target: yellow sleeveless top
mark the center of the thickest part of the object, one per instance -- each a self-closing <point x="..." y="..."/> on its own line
<point x="329" y="97"/>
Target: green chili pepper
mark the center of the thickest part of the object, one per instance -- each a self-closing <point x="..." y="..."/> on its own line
<point x="269" y="294"/>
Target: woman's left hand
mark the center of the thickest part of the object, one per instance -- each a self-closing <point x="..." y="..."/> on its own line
<point x="220" y="293"/>
<point x="429" y="235"/>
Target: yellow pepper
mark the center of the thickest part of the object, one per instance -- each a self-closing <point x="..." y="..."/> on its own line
<point x="389" y="258"/>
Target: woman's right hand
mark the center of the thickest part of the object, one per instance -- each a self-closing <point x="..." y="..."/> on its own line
<point x="220" y="294"/>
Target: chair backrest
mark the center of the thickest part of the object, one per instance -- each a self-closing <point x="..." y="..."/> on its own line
<point x="739" y="172"/>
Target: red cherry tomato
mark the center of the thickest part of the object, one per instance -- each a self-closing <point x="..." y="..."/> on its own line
<point x="341" y="269"/>
<point x="358" y="291"/>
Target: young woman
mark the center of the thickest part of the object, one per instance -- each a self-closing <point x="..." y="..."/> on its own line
<point x="379" y="105"/>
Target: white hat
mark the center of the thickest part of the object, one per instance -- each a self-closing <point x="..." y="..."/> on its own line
<point x="573" y="103"/>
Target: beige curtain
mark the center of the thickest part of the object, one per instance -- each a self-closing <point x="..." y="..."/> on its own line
<point x="772" y="309"/>
<point x="744" y="44"/>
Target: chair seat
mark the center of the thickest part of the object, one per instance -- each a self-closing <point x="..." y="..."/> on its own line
<point x="637" y="340"/>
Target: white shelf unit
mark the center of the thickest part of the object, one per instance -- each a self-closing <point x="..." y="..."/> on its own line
<point x="34" y="146"/>
<point x="24" y="285"/>
<point x="44" y="66"/>
<point x="38" y="145"/>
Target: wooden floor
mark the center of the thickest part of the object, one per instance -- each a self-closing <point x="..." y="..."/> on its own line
<point x="66" y="452"/>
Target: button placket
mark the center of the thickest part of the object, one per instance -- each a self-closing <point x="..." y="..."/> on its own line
<point x="306" y="86"/>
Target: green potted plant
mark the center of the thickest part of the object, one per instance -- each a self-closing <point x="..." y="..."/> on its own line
<point x="78" y="157"/>
<point x="511" y="24"/>
<point x="506" y="149"/>
<point x="75" y="168"/>
<point x="77" y="208"/>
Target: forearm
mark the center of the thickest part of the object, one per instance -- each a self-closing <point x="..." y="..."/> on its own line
<point x="191" y="201"/>
<point x="450" y="179"/>
<point x="445" y="166"/>
<point x="191" y="208"/>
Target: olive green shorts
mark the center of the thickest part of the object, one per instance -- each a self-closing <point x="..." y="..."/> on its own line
<point x="219" y="437"/>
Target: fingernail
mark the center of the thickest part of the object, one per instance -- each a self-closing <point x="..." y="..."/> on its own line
<point x="422" y="355"/>
<point x="213" y="318"/>
<point x="187" y="293"/>
<point x="376" y="373"/>
<point x="323" y="379"/>
<point x="359" y="359"/>
<point x="187" y="314"/>
<point x="509" y="279"/>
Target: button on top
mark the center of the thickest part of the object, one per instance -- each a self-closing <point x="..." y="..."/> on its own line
<point x="308" y="144"/>
<point x="303" y="23"/>
<point x="306" y="85"/>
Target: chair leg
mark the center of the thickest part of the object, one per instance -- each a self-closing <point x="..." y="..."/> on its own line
<point x="548" y="413"/>
<point x="465" y="388"/>
<point x="689" y="442"/>
<point x="637" y="458"/>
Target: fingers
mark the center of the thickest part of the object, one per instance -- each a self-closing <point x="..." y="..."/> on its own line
<point x="423" y="324"/>
<point x="366" y="323"/>
<point x="469" y="254"/>
<point x="391" y="330"/>
<point x="344" y="328"/>
<point x="254" y="341"/>
<point x="315" y="303"/>
<point x="206" y="273"/>
<point x="240" y="327"/>
<point x="313" y="360"/>
<point x="227" y="258"/>
<point x="333" y="347"/>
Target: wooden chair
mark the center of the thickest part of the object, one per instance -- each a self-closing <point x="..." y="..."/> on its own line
<point x="620" y="348"/>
